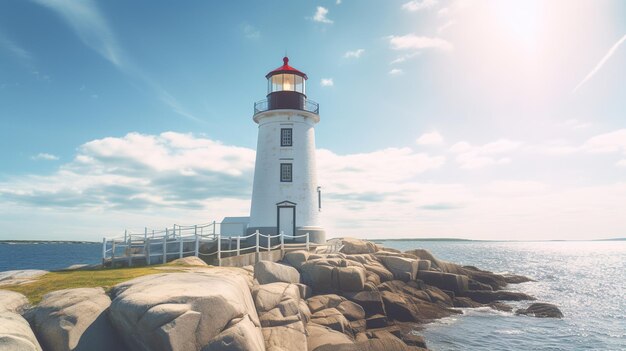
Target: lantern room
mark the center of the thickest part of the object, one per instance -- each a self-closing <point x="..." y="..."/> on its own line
<point x="286" y="89"/>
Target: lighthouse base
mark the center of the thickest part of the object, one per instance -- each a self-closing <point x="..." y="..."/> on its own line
<point x="317" y="235"/>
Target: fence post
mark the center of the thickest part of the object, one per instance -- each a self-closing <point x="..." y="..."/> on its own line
<point x="167" y="234"/>
<point x="165" y="248"/>
<point x="129" y="250"/>
<point x="219" y="250"/>
<point x="307" y="241"/>
<point x="180" y="242"/>
<point x="125" y="232"/>
<point x="238" y="245"/>
<point x="269" y="243"/>
<point x="104" y="250"/>
<point x="282" y="243"/>
<point x="147" y="249"/>
<point x="145" y="233"/>
<point x="112" y="252"/>
<point x="257" y="240"/>
<point x="197" y="245"/>
<point x="214" y="228"/>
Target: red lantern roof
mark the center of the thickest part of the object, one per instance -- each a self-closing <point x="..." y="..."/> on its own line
<point x="285" y="68"/>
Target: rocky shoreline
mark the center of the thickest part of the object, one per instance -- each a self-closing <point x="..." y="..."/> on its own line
<point x="366" y="297"/>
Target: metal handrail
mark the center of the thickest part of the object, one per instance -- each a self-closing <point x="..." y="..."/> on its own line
<point x="309" y="106"/>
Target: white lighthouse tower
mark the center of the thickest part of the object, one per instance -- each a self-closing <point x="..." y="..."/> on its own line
<point x="285" y="195"/>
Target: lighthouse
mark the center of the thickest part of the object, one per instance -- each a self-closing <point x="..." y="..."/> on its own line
<point x="285" y="195"/>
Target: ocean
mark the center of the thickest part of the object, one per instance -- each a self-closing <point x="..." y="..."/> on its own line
<point x="587" y="280"/>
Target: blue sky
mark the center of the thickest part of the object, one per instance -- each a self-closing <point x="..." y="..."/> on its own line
<point x="474" y="119"/>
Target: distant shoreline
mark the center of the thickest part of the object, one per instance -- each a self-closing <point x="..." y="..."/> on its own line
<point x="47" y="242"/>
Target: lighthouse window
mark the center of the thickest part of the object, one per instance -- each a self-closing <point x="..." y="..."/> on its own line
<point x="300" y="84"/>
<point x="286" y="137"/>
<point x="285" y="172"/>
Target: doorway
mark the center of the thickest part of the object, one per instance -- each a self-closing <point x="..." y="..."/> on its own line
<point x="286" y="218"/>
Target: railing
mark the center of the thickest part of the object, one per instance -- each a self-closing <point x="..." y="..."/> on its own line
<point x="309" y="106"/>
<point x="204" y="241"/>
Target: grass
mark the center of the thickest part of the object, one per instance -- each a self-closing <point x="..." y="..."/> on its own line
<point x="105" y="278"/>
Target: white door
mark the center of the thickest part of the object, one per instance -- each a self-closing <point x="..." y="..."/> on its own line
<point x="285" y="220"/>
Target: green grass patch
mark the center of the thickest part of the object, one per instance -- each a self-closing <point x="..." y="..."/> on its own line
<point x="105" y="278"/>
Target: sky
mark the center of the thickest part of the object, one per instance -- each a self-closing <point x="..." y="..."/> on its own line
<point x="497" y="120"/>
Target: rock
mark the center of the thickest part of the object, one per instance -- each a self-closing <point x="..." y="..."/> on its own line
<point x="15" y="333"/>
<point x="358" y="326"/>
<point x="351" y="310"/>
<point x="235" y="338"/>
<point x="75" y="319"/>
<point x="209" y="310"/>
<point x="291" y="337"/>
<point x="348" y="278"/>
<point x="305" y="291"/>
<point x="423" y="265"/>
<point x="296" y="258"/>
<point x="318" y="276"/>
<point x="501" y="295"/>
<point x="372" y="265"/>
<point x="371" y="302"/>
<point x="357" y="246"/>
<point x="438" y="296"/>
<point x="282" y="295"/>
<point x="11" y="301"/>
<point x="541" y="310"/>
<point x="446" y="281"/>
<point x="402" y="268"/>
<point x="332" y="319"/>
<point x="269" y="272"/>
<point x="320" y="337"/>
<point x="411" y="288"/>
<point x="383" y="345"/>
<point x="20" y="276"/>
<point x="321" y="302"/>
<point x="465" y="302"/>
<point x="516" y="279"/>
<point x="189" y="261"/>
<point x="376" y="321"/>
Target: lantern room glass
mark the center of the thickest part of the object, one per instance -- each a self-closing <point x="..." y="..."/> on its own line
<point x="286" y="82"/>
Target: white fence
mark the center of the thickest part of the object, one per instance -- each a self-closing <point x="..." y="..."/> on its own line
<point x="204" y="241"/>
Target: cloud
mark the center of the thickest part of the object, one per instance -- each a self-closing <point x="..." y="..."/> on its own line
<point x="606" y="57"/>
<point x="396" y="72"/>
<point x="45" y="156"/>
<point x="621" y="163"/>
<point x="576" y="124"/>
<point x="614" y="141"/>
<point x="15" y="49"/>
<point x="327" y="82"/>
<point x="432" y="138"/>
<point x="414" y="42"/>
<point x="404" y="58"/>
<point x="320" y="15"/>
<point x="338" y="2"/>
<point x="475" y="157"/>
<point x="445" y="26"/>
<point x="354" y="54"/>
<point x="91" y="27"/>
<point x="250" y="31"/>
<point x="416" y="5"/>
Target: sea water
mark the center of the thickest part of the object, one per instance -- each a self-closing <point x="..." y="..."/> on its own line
<point x="47" y="256"/>
<point x="587" y="280"/>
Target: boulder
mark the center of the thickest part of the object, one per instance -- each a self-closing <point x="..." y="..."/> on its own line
<point x="411" y="288"/>
<point x="484" y="296"/>
<point x="371" y="301"/>
<point x="372" y="265"/>
<point x="75" y="319"/>
<point x="320" y="338"/>
<point x="189" y="261"/>
<point x="266" y="272"/>
<point x="284" y="296"/>
<point x="331" y="275"/>
<point x="541" y="310"/>
<point x="296" y="258"/>
<point x="351" y="310"/>
<point x="318" y="276"/>
<point x="286" y="338"/>
<point x="322" y="302"/>
<point x="357" y="246"/>
<point x="15" y="333"/>
<point x="348" y="278"/>
<point x="11" y="301"/>
<point x="445" y="281"/>
<point x="20" y="276"/>
<point x="209" y="310"/>
<point x="332" y="319"/>
<point x="402" y="268"/>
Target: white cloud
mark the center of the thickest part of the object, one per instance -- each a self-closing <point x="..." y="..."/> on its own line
<point x="417" y="5"/>
<point x="432" y="138"/>
<point x="250" y="31"/>
<point x="338" y="2"/>
<point x="576" y="124"/>
<point x="614" y="141"/>
<point x="445" y="26"/>
<point x="320" y="15"/>
<point x="404" y="58"/>
<point x="327" y="82"/>
<point x="414" y="42"/>
<point x="45" y="156"/>
<point x="606" y="57"/>
<point x="475" y="157"/>
<point x="15" y="49"/>
<point x="354" y="54"/>
<point x="621" y="163"/>
<point x="396" y="72"/>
